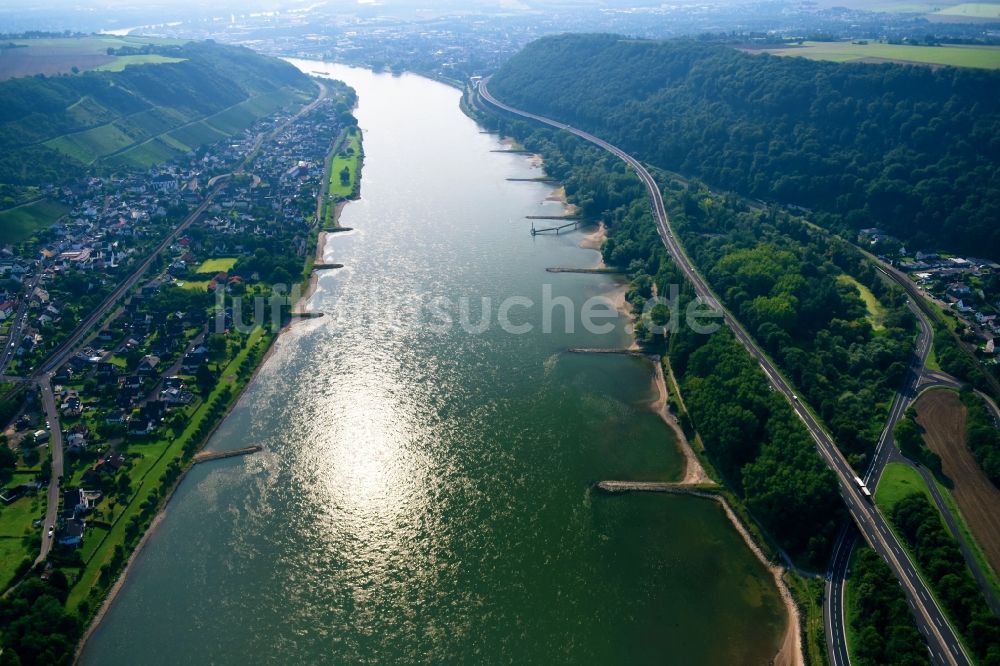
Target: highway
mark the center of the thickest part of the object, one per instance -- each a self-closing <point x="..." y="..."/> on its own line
<point x="943" y="643"/>
<point x="885" y="452"/>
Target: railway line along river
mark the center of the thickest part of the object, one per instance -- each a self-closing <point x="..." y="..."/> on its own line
<point x="425" y="489"/>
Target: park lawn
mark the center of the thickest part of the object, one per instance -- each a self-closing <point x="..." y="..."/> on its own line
<point x="217" y="265"/>
<point x="20" y="223"/>
<point x="982" y="57"/>
<point x="349" y="157"/>
<point x="876" y="312"/>
<point x="121" y="62"/>
<point x="147" y="474"/>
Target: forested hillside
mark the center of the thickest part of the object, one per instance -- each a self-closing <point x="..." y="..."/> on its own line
<point x="913" y="150"/>
<point x="53" y="127"/>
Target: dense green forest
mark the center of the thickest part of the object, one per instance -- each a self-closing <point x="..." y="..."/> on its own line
<point x="982" y="436"/>
<point x="883" y="625"/>
<point x="942" y="564"/>
<point x="795" y="290"/>
<point x="52" y="127"/>
<point x="910" y="149"/>
<point x="37" y="629"/>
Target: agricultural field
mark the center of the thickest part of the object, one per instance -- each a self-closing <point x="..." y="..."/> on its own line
<point x="982" y="57"/>
<point x="121" y="62"/>
<point x="194" y="285"/>
<point x="943" y="416"/>
<point x="217" y="265"/>
<point x="18" y="224"/>
<point x="61" y="55"/>
<point x="187" y="134"/>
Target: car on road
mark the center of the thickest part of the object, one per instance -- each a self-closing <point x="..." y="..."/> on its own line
<point x="52" y="530"/>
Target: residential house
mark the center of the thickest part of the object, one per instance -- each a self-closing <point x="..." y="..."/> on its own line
<point x="71" y="534"/>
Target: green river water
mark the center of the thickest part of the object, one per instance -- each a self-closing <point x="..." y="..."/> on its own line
<point x="426" y="494"/>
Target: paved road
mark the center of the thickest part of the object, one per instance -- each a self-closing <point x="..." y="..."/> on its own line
<point x="885" y="452"/>
<point x="56" y="446"/>
<point x="833" y="607"/>
<point x="944" y="645"/>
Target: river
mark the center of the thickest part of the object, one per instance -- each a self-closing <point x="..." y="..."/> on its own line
<point x="425" y="492"/>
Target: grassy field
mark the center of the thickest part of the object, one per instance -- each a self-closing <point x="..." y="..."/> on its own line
<point x="121" y="62"/>
<point x="15" y="523"/>
<point x="876" y="313"/>
<point x="194" y="285"/>
<point x="11" y="554"/>
<point x="983" y="57"/>
<point x="898" y="481"/>
<point x="217" y="265"/>
<point x="18" y="224"/>
<point x="982" y="10"/>
<point x="349" y="157"/>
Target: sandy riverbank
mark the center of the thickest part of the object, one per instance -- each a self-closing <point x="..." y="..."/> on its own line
<point x="694" y="473"/>
<point x="300" y="306"/>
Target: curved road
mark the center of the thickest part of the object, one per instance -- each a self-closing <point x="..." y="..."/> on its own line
<point x="945" y="647"/>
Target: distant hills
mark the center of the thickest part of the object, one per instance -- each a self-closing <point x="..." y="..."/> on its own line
<point x="168" y="100"/>
<point x="910" y="149"/>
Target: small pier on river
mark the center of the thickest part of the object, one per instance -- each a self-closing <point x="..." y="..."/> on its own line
<point x="205" y="456"/>
<point x="535" y="231"/>
<point x="598" y="271"/>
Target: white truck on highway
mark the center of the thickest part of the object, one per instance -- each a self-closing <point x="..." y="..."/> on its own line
<point x="864" y="489"/>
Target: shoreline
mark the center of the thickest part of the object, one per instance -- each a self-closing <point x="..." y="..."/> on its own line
<point x="694" y="473"/>
<point x="790" y="651"/>
<point x="119" y="583"/>
<point x="297" y="308"/>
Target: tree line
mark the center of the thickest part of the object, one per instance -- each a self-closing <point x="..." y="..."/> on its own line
<point x="884" y="630"/>
<point x="910" y="149"/>
<point x="982" y="436"/>
<point x="942" y="563"/>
